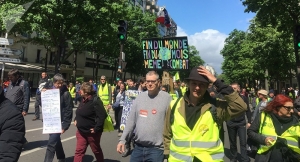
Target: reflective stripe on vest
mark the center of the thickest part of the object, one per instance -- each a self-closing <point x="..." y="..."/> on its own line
<point x="291" y="135"/>
<point x="72" y="92"/>
<point x="202" y="142"/>
<point x="103" y="93"/>
<point x="184" y="158"/>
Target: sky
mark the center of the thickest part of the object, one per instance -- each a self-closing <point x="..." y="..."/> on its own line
<point x="207" y="23"/>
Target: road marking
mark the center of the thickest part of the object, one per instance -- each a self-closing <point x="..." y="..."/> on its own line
<point x="31" y="130"/>
<point x="36" y="129"/>
<point x="42" y="147"/>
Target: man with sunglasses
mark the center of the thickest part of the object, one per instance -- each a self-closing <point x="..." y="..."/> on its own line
<point x="146" y="118"/>
<point x="104" y="92"/>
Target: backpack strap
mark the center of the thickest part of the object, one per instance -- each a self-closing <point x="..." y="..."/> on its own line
<point x="173" y="111"/>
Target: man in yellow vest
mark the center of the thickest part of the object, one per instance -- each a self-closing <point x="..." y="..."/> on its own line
<point x="191" y="132"/>
<point x="72" y="91"/>
<point x="104" y="92"/>
<point x="183" y="88"/>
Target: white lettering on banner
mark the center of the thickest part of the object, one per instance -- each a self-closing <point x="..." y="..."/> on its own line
<point x="51" y="111"/>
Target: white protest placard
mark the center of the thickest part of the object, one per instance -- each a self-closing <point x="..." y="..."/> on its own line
<point x="51" y="111"/>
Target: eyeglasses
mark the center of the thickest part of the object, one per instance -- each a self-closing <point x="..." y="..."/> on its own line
<point x="151" y="81"/>
<point x="288" y="108"/>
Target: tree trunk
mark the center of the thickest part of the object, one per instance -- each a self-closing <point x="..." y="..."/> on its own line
<point x="74" y="66"/>
<point x="97" y="67"/>
<point x="296" y="54"/>
<point x="112" y="77"/>
<point x="266" y="80"/>
<point x="46" y="60"/>
<point x="57" y="62"/>
<point x="124" y="77"/>
<point x="93" y="66"/>
<point x="291" y="78"/>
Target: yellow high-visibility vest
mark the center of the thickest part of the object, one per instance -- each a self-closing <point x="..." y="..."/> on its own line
<point x="291" y="135"/>
<point x="104" y="94"/>
<point x="257" y="100"/>
<point x="183" y="90"/>
<point x="72" y="92"/>
<point x="174" y="96"/>
<point x="202" y="142"/>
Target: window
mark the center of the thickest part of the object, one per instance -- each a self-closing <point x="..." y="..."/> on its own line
<point x="27" y="35"/>
<point x="38" y="56"/>
<point x="38" y="35"/>
<point x="24" y="56"/>
<point x="51" y="60"/>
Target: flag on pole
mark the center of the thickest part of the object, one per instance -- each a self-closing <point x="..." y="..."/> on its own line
<point x="176" y="76"/>
<point x="163" y="17"/>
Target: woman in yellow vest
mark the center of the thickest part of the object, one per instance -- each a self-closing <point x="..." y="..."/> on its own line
<point x="72" y="91"/>
<point x="277" y="131"/>
<point x="191" y="132"/>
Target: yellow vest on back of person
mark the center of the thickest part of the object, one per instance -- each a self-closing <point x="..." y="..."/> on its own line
<point x="202" y="142"/>
<point x="174" y="96"/>
<point x="104" y="94"/>
<point x="72" y="92"/>
<point x="292" y="134"/>
<point x="183" y="90"/>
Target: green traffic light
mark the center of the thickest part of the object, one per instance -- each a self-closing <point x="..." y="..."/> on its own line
<point x="122" y="37"/>
<point x="299" y="44"/>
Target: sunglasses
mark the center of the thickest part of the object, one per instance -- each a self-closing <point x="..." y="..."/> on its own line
<point x="288" y="108"/>
<point x="151" y="81"/>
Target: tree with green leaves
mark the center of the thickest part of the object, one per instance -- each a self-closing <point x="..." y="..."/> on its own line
<point x="248" y="55"/>
<point x="140" y="25"/>
<point x="282" y="15"/>
<point x="73" y="27"/>
<point x="236" y="66"/>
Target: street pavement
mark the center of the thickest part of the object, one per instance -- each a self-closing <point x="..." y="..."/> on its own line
<point x="35" y="150"/>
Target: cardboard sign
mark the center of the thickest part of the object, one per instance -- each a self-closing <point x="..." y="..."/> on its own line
<point x="166" y="53"/>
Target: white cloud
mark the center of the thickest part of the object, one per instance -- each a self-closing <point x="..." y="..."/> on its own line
<point x="209" y="43"/>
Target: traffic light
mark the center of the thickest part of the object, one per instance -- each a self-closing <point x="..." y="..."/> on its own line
<point x="119" y="76"/>
<point x="122" y="35"/>
<point x="297" y="36"/>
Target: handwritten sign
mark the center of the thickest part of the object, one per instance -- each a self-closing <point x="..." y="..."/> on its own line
<point x="51" y="111"/>
<point x="130" y="96"/>
<point x="166" y="53"/>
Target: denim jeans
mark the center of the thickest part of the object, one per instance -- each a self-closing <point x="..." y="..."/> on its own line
<point x="239" y="130"/>
<point x="37" y="106"/>
<point x="147" y="154"/>
<point x="54" y="146"/>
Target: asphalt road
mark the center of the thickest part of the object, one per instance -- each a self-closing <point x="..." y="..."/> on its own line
<point x="35" y="150"/>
